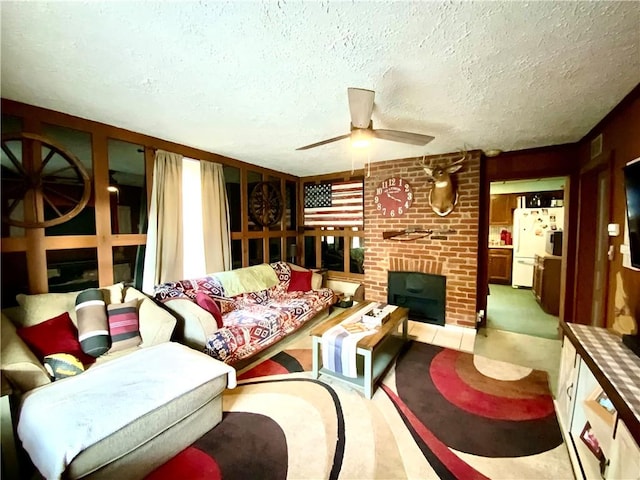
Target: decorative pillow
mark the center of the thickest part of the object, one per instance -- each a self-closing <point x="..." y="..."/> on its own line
<point x="208" y="304"/>
<point x="62" y="365"/>
<point x="358" y="295"/>
<point x="40" y="307"/>
<point x="55" y="335"/>
<point x="225" y="305"/>
<point x="44" y="306"/>
<point x="93" y="327"/>
<point x="124" y="325"/>
<point x="300" y="281"/>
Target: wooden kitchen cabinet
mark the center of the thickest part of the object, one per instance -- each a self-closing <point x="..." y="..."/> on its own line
<point x="546" y="282"/>
<point x="500" y="263"/>
<point x="501" y="209"/>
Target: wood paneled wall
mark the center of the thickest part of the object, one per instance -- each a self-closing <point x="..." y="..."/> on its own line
<point x="620" y="131"/>
<point x="35" y="244"/>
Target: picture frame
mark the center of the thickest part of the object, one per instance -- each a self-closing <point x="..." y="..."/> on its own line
<point x="589" y="438"/>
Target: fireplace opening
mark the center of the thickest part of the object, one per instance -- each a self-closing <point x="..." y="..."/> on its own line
<point x="424" y="294"/>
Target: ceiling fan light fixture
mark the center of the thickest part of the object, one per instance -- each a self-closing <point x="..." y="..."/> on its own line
<point x="362" y="131"/>
<point x="360" y="138"/>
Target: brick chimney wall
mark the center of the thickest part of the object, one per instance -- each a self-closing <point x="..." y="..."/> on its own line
<point x="456" y="257"/>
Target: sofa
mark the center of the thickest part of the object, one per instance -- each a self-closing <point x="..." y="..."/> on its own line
<point x="122" y="415"/>
<point x="234" y="315"/>
<point x="25" y="371"/>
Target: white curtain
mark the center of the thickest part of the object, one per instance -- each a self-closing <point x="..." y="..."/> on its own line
<point x="163" y="260"/>
<point x="215" y="218"/>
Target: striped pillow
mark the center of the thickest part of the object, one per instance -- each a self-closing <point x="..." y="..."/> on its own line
<point x="93" y="330"/>
<point x="124" y="325"/>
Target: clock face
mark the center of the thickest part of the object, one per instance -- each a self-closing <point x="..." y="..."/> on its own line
<point x="393" y="197"/>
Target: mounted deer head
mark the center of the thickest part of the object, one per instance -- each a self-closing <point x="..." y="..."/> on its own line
<point x="443" y="196"/>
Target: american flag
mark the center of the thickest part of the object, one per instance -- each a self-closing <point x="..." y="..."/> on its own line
<point x="334" y="204"/>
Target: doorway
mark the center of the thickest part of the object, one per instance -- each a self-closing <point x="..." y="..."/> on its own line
<point x="524" y="268"/>
<point x="591" y="276"/>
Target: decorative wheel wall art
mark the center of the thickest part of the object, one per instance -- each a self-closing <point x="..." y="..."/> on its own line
<point x="265" y="204"/>
<point x="31" y="181"/>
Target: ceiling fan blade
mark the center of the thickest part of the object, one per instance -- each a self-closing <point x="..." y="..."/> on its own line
<point x="360" y="106"/>
<point x="323" y="142"/>
<point x="403" y="137"/>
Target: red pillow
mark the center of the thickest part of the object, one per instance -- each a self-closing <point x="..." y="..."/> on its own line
<point x="207" y="303"/>
<point x="56" y="335"/>
<point x="300" y="281"/>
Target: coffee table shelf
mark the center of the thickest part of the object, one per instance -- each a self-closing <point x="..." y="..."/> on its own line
<point x="374" y="354"/>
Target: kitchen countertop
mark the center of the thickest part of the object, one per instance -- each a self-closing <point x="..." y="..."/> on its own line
<point x="508" y="247"/>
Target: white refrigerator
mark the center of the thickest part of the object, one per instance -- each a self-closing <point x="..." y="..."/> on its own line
<point x="530" y="227"/>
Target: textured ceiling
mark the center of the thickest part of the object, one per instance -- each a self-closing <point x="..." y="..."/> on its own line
<point x="255" y="80"/>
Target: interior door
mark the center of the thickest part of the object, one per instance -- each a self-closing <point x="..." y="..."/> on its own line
<point x="592" y="244"/>
<point x="598" y="317"/>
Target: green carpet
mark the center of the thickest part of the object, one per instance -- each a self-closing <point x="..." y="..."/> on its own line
<point x="516" y="310"/>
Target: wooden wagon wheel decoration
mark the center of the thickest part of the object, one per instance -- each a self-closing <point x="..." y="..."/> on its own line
<point x="60" y="178"/>
<point x="265" y="204"/>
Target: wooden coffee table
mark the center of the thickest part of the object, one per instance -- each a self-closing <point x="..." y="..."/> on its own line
<point x="374" y="353"/>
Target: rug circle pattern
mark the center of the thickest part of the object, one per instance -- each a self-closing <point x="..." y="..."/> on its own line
<point x="442" y="402"/>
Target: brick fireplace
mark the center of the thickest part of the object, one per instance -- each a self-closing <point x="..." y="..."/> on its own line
<point x="455" y="255"/>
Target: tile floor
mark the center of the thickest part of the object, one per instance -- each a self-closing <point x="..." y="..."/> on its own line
<point x="449" y="336"/>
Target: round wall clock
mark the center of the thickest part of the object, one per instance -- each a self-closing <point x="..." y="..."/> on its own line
<point x="393" y="197"/>
<point x="265" y="204"/>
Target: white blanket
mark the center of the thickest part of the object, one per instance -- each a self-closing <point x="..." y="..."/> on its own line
<point x="60" y="420"/>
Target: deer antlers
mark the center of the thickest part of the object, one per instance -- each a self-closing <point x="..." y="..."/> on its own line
<point x="452" y="164"/>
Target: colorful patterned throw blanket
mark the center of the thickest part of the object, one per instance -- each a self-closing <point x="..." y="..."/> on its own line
<point x="257" y="308"/>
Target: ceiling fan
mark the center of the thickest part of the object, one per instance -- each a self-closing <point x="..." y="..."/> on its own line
<point x="362" y="131"/>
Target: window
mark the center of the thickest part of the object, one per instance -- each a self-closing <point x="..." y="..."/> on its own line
<point x="256" y="253"/>
<point x="193" y="235"/>
<point x="14" y="276"/>
<point x="274" y="250"/>
<point x="127" y="188"/>
<point x="11" y="124"/>
<point x="232" y="183"/>
<point x="72" y="270"/>
<point x="63" y="194"/>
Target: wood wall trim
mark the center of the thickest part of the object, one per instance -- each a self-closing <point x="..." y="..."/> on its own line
<point x="102" y="208"/>
<point x="14" y="244"/>
<point x="12" y="107"/>
<point x="336" y="177"/>
<point x="126" y="240"/>
<point x="70" y="242"/>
